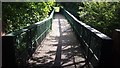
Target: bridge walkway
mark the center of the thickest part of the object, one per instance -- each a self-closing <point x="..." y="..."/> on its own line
<point x="60" y="47"/>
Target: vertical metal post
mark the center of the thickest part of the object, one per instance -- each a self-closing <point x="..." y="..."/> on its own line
<point x="116" y="48"/>
<point x="106" y="54"/>
<point x="45" y="28"/>
<point x="51" y="23"/>
<point x="8" y="51"/>
<point x="29" y="42"/>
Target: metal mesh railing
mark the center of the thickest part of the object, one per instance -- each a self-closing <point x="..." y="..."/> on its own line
<point x="97" y="46"/>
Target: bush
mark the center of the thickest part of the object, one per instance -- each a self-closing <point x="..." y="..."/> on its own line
<point x="104" y="16"/>
<point x="17" y="15"/>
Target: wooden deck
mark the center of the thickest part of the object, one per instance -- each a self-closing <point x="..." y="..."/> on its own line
<point x="60" y="47"/>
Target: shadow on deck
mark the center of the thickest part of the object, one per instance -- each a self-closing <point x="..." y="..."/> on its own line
<point x="60" y="48"/>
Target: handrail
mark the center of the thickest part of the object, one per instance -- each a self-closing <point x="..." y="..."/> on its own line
<point x="97" y="46"/>
<point x="26" y="40"/>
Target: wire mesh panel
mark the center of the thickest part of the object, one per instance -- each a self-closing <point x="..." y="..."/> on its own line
<point x="21" y="52"/>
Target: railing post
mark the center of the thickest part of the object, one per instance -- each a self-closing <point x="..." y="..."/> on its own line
<point x="51" y="23"/>
<point x="29" y="42"/>
<point x="8" y="52"/>
<point x="46" y="27"/>
<point x="116" y="48"/>
<point x="106" y="54"/>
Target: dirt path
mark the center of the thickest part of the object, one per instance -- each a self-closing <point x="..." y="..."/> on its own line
<point x="60" y="47"/>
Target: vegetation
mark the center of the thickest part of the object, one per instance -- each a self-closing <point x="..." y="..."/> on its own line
<point x="72" y="7"/>
<point x="17" y="15"/>
<point x="104" y="16"/>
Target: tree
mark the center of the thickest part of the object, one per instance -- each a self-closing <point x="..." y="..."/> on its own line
<point x="104" y="16"/>
<point x="72" y="7"/>
<point x="17" y="15"/>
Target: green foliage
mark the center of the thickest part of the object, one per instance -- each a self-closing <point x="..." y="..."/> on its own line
<point x="72" y="7"/>
<point x="17" y="15"/>
<point x="104" y="16"/>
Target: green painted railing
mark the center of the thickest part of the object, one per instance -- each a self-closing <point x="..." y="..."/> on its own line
<point x="20" y="45"/>
<point x="97" y="46"/>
